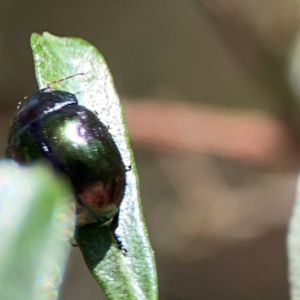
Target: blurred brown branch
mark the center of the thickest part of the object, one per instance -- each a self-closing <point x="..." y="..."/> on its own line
<point x="252" y="136"/>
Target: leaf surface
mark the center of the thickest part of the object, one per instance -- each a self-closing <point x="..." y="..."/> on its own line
<point x="133" y="276"/>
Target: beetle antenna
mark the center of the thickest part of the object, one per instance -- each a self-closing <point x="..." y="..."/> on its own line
<point x="63" y="79"/>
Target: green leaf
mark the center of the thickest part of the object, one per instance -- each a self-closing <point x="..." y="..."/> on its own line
<point x="36" y="222"/>
<point x="134" y="276"/>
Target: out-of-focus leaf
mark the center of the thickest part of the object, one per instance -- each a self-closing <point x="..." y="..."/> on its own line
<point x="293" y="248"/>
<point x="36" y="222"/>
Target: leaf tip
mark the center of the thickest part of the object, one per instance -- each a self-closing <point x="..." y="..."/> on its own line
<point x="34" y="38"/>
<point x="47" y="36"/>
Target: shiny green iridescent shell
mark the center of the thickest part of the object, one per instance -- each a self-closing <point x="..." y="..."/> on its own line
<point x="50" y="124"/>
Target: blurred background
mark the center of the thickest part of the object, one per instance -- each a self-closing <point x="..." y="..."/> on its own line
<point x="212" y="97"/>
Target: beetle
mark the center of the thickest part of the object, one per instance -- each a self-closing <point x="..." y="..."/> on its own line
<point x="50" y="124"/>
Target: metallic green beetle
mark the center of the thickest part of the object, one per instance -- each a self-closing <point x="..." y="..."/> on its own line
<point x="50" y="124"/>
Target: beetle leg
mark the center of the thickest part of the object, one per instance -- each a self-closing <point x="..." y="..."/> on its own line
<point x="113" y="226"/>
<point x="128" y="168"/>
<point x="73" y="242"/>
